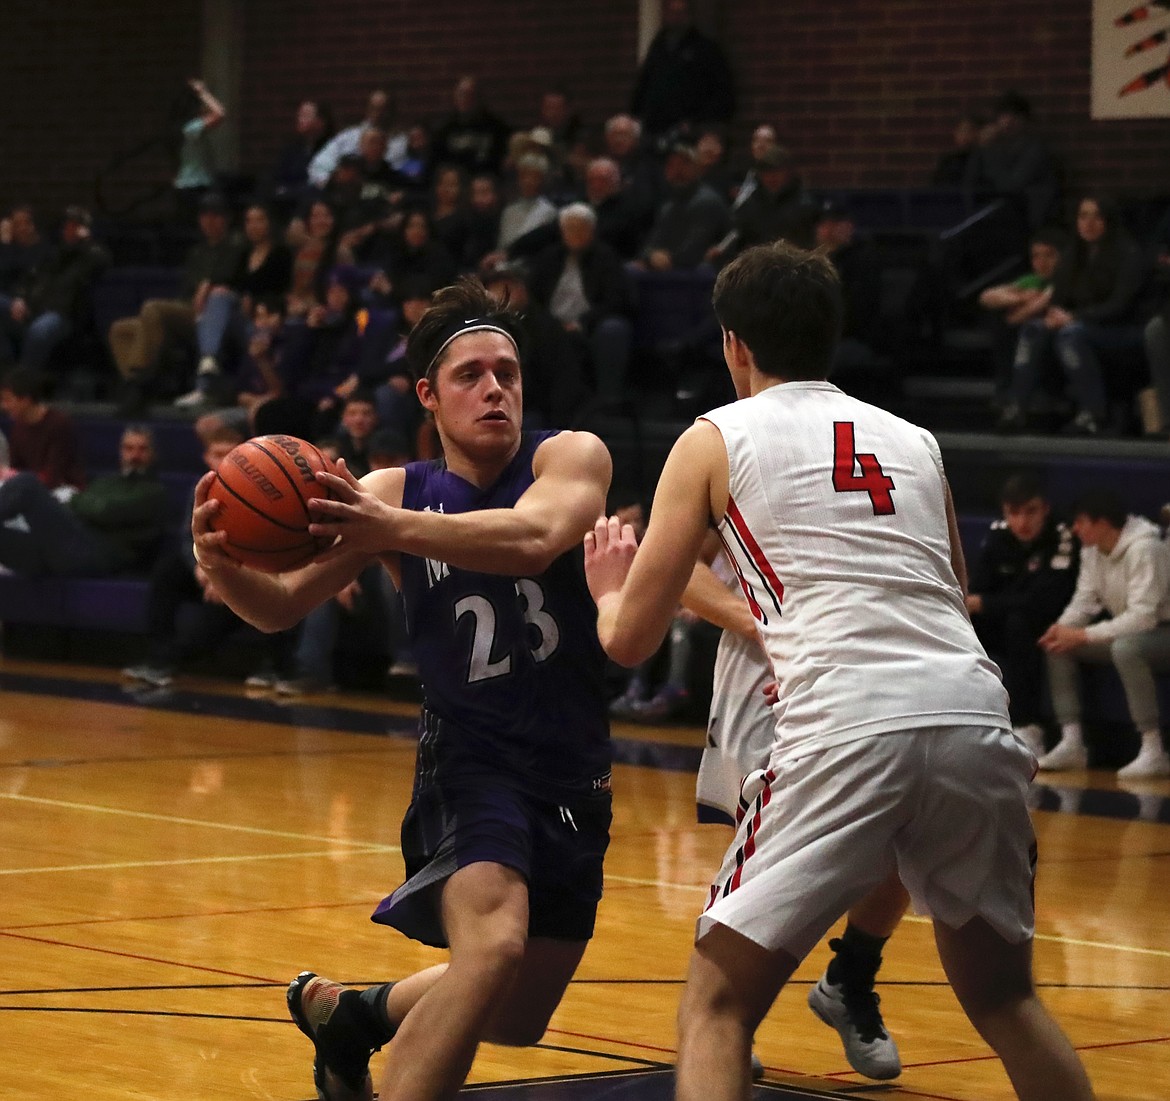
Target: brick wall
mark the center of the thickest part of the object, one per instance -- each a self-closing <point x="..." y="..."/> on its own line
<point x="868" y="93"/>
<point x="81" y="82"/>
<point x="340" y="51"/>
<point x="865" y="93"/>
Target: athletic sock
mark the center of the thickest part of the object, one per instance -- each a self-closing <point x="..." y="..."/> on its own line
<point x="381" y="1030"/>
<point x="857" y="957"/>
<point x="1151" y="741"/>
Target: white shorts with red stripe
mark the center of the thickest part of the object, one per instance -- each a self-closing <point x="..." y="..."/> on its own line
<point x="944" y="806"/>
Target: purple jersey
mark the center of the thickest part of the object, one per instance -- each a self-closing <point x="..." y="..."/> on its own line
<point x="512" y="671"/>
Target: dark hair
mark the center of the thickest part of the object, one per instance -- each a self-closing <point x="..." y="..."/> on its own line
<point x="1099" y="503"/>
<point x="1053" y="236"/>
<point x="362" y="395"/>
<point x="785" y="304"/>
<point x="465" y="298"/>
<point x="1021" y="487"/>
<point x="24" y="382"/>
<point x="1013" y="103"/>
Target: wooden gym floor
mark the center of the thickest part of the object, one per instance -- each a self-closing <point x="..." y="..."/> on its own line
<point x="172" y="859"/>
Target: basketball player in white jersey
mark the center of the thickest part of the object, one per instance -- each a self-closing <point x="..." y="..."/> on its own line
<point x="740" y="733"/>
<point x="894" y="749"/>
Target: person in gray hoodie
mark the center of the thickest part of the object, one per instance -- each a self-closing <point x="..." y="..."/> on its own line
<point x="1119" y="614"/>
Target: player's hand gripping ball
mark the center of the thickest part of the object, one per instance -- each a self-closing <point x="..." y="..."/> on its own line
<point x="263" y="487"/>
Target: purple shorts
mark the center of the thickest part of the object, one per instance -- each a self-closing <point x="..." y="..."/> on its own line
<point x="558" y="848"/>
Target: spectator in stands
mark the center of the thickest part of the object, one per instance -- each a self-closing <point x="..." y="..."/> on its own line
<point x="778" y="209"/>
<point x="763" y="139"/>
<point x="55" y="299"/>
<point x="951" y="168"/>
<point x="367" y="607"/>
<point x="201" y="112"/>
<point x="857" y="367"/>
<point x="1009" y="305"/>
<point x="581" y="281"/>
<point x="418" y="166"/>
<point x="313" y="257"/>
<point x="641" y="175"/>
<point x="265" y="272"/>
<point x="378" y="116"/>
<point x="711" y="153"/>
<point x="619" y="224"/>
<point x="691" y="220"/>
<point x="555" y="390"/>
<point x="530" y="210"/>
<point x="42" y="439"/>
<point x="175" y="581"/>
<point x="684" y="79"/>
<point x="471" y="135"/>
<point x="1156" y="414"/>
<point x="22" y="249"/>
<point x="113" y="525"/>
<point x="448" y="210"/>
<point x="312" y="128"/>
<point x="1119" y="615"/>
<point x="568" y="152"/>
<point x="196" y="317"/>
<point x="1021" y="580"/>
<point x="1092" y="312"/>
<point x="1015" y="163"/>
<point x="355" y="429"/>
<point x="483" y="221"/>
<point x="410" y="255"/>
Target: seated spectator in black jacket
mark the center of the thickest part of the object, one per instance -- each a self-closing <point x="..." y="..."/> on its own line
<point x="54" y="299"/>
<point x="1092" y="314"/>
<point x="483" y="221"/>
<point x="1014" y="163"/>
<point x="582" y="282"/>
<point x="1021" y="580"/>
<point x="448" y="210"/>
<point x="555" y="389"/>
<point x="641" y="174"/>
<point x="620" y="224"/>
<point x="21" y="247"/>
<point x="857" y="368"/>
<point x="714" y="171"/>
<point x="409" y="255"/>
<point x="691" y="220"/>
<point x="113" y="525"/>
<point x="951" y="168"/>
<point x="778" y="209"/>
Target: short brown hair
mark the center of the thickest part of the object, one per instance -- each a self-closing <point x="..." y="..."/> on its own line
<point x="785" y="304"/>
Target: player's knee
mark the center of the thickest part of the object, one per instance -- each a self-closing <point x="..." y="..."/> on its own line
<point x="495" y="958"/>
<point x="1125" y="650"/>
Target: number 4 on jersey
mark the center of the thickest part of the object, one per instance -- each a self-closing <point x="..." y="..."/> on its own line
<point x="871" y="480"/>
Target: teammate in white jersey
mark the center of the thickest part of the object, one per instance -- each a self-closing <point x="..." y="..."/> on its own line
<point x="894" y="749"/>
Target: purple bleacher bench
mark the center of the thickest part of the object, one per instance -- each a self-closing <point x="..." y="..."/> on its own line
<point x="87" y="603"/>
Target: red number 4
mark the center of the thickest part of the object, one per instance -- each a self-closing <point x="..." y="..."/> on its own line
<point x="871" y="480"/>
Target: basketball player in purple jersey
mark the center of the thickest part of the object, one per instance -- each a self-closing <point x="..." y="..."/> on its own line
<point x="893" y="746"/>
<point x="509" y="819"/>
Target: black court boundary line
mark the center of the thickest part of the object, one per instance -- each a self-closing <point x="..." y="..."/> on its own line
<point x="158" y="987"/>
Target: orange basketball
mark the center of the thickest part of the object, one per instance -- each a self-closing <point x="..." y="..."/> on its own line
<point x="263" y="486"/>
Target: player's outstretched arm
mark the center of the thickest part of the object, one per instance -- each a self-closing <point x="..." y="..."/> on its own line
<point x="572" y="472"/>
<point x="634" y="614"/>
<point x="270" y="602"/>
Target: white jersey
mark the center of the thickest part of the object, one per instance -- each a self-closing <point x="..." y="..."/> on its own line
<point x="836" y="523"/>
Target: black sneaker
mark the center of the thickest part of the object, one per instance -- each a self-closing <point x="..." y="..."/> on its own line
<point x="325" y="1012"/>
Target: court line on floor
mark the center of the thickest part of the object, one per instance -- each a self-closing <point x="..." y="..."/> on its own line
<point x="178" y="820"/>
<point x="122" y="865"/>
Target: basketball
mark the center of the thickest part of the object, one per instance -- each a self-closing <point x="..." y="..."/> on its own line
<point x="263" y="486"/>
